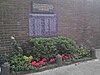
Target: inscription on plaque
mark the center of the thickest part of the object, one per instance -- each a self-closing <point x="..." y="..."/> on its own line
<point x="42" y="25"/>
<point x="42" y="8"/>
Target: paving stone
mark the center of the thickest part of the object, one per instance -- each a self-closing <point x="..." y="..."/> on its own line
<point x="0" y="70"/>
<point x="86" y="68"/>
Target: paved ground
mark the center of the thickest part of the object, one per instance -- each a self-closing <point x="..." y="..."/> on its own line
<point x="87" y="68"/>
<point x="0" y="70"/>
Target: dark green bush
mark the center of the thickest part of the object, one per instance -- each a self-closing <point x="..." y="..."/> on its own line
<point x="17" y="62"/>
<point x="66" y="46"/>
<point x="16" y="59"/>
<point x="43" y="47"/>
<point x="83" y="52"/>
<point x="50" y="47"/>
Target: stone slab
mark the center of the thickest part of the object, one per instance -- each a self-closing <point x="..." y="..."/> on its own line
<point x="91" y="67"/>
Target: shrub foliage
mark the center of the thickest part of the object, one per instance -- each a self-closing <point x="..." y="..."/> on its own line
<point x="44" y="51"/>
<point x="50" y="47"/>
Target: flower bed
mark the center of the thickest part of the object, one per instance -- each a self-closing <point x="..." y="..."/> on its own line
<point x="44" y="54"/>
<point x="49" y="67"/>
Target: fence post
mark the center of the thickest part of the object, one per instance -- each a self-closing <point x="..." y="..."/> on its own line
<point x="59" y="60"/>
<point x="5" y="69"/>
<point x="93" y="53"/>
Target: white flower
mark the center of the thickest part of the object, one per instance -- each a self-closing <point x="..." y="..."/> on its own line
<point x="12" y="38"/>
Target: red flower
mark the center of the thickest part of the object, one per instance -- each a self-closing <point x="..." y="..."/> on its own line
<point x="41" y="62"/>
<point x="66" y="57"/>
<point x="44" y="59"/>
<point x="33" y="63"/>
<point x="52" y="60"/>
<point x="70" y="56"/>
<point x="63" y="56"/>
<point x="37" y="64"/>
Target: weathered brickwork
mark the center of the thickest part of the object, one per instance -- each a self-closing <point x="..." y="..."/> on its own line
<point x="80" y="20"/>
<point x="13" y="22"/>
<point x="77" y="19"/>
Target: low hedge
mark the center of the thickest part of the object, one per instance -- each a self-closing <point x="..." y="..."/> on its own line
<point x="43" y="53"/>
<point x="50" y="47"/>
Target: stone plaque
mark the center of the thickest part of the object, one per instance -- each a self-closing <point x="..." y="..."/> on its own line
<point x="42" y="8"/>
<point x="42" y="25"/>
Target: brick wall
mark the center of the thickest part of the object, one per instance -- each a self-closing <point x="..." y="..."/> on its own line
<point x="77" y="19"/>
<point x="13" y="22"/>
<point x="80" y="20"/>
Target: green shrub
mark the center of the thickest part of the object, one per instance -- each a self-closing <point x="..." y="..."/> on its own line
<point x="83" y="52"/>
<point x="50" y="47"/>
<point x="16" y="46"/>
<point x="16" y="59"/>
<point x="66" y="46"/>
<point x="43" y="47"/>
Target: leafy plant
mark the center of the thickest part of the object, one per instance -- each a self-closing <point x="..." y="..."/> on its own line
<point x="15" y="45"/>
<point x="16" y="60"/>
<point x="66" y="46"/>
<point x="83" y="52"/>
<point x="43" y="48"/>
<point x="44" y="51"/>
<point x="28" y="59"/>
<point x="50" y="47"/>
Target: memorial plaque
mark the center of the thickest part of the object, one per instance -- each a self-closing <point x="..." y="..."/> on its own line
<point x="42" y="8"/>
<point x="42" y="25"/>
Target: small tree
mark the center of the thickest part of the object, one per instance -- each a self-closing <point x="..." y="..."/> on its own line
<point x="16" y="46"/>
